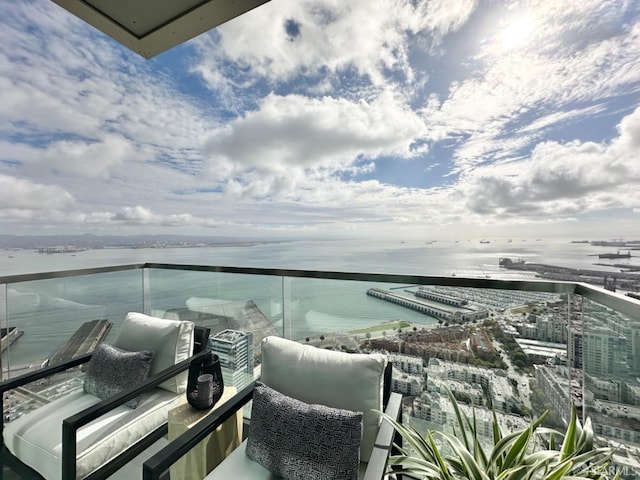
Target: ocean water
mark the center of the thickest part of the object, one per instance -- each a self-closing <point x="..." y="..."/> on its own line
<point x="49" y="311"/>
<point x="463" y="258"/>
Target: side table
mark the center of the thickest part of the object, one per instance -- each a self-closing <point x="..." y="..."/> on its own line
<point x="206" y="455"/>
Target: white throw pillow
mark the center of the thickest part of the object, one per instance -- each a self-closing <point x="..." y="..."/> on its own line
<point x="170" y="340"/>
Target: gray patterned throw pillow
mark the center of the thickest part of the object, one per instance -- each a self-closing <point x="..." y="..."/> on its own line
<point x="112" y="370"/>
<point x="299" y="441"/>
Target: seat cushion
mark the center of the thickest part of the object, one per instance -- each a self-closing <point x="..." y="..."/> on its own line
<point x="301" y="441"/>
<point x="170" y="340"/>
<point x="349" y="381"/>
<point x="36" y="438"/>
<point x="238" y="466"/>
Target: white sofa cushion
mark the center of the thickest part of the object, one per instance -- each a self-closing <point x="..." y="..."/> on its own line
<point x="171" y="341"/>
<point x="36" y="438"/>
<point x="238" y="466"/>
<point x="350" y="381"/>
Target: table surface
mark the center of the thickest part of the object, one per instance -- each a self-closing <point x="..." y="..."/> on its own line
<point x="185" y="414"/>
<point x="205" y="456"/>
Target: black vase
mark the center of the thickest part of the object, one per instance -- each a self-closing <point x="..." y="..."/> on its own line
<point x="205" y="384"/>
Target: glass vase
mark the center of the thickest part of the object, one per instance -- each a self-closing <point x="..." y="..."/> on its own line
<point x="205" y="385"/>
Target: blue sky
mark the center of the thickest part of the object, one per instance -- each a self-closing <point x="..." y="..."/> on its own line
<point x="371" y="118"/>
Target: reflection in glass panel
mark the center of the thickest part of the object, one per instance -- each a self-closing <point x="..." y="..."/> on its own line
<point x="51" y="321"/>
<point x="43" y="315"/>
<point x="39" y="393"/>
<point x="342" y="308"/>
<point x="611" y="365"/>
<point x="557" y="381"/>
<point x="240" y="310"/>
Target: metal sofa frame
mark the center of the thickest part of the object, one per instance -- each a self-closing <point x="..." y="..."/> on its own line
<point x="158" y="464"/>
<point x="71" y="424"/>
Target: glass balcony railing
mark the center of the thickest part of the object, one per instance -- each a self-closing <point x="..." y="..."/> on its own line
<point x="521" y="347"/>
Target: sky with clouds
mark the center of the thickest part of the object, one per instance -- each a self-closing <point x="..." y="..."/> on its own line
<point x="324" y="118"/>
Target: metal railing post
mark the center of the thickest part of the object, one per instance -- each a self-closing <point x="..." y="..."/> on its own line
<point x="286" y="307"/>
<point x="146" y="294"/>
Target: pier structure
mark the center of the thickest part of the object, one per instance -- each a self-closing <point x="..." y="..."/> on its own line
<point x="441" y="298"/>
<point x="627" y="280"/>
<point x="427" y="308"/>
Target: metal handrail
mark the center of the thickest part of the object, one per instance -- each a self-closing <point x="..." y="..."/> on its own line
<point x="29" y="277"/>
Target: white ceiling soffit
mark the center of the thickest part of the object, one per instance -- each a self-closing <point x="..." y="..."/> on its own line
<point x="150" y="27"/>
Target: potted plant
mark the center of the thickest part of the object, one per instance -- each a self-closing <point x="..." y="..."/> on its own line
<point x="532" y="453"/>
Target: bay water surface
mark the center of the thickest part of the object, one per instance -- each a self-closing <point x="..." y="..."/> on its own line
<point x="314" y="306"/>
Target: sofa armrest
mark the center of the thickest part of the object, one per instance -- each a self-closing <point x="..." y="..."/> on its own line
<point x="376" y="468"/>
<point x="155" y="466"/>
<point x="71" y="424"/>
<point x="45" y="372"/>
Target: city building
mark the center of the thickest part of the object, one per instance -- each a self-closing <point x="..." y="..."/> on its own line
<point x="543" y="352"/>
<point x="406" y="384"/>
<point x="235" y="349"/>
<point x="407" y="363"/>
<point x="494" y="382"/>
<point x="434" y="411"/>
<point x="546" y="328"/>
<point x="604" y="351"/>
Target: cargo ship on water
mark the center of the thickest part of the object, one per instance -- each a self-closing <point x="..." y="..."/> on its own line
<point x="615" y="255"/>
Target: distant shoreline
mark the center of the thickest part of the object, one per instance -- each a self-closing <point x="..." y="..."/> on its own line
<point x="70" y="248"/>
<point x="94" y="242"/>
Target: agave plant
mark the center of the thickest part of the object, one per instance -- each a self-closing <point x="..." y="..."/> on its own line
<point x="516" y="455"/>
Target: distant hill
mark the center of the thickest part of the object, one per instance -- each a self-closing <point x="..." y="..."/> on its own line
<point x="106" y="241"/>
